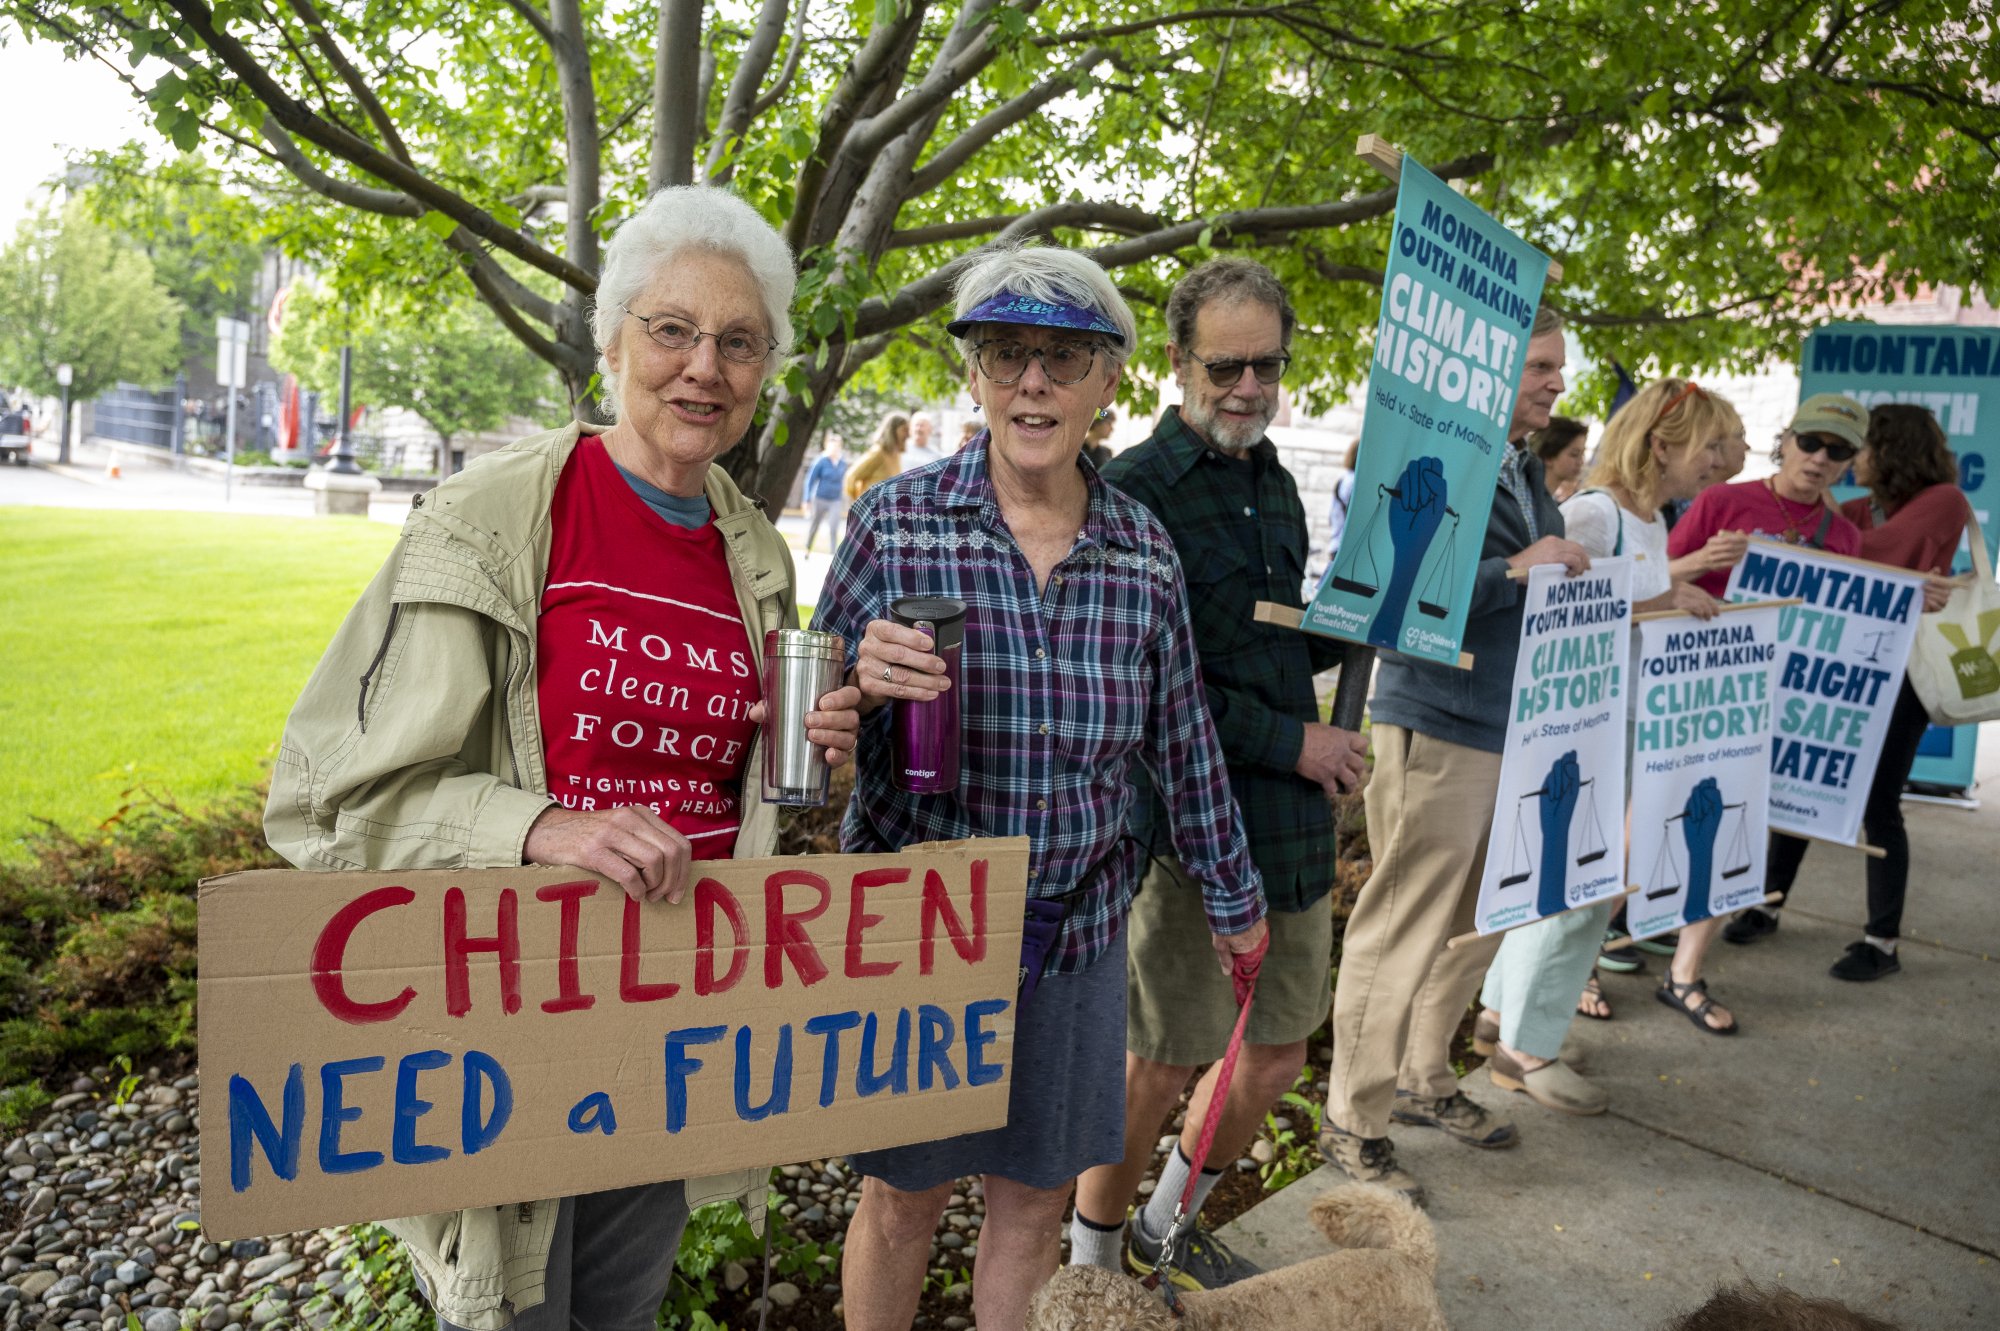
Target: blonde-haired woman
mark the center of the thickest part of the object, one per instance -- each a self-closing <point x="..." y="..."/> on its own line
<point x="1662" y="446"/>
<point x="884" y="457"/>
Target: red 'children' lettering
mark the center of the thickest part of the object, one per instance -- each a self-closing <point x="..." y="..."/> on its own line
<point x="937" y="906"/>
<point x="330" y="954"/>
<point x="458" y="947"/>
<point x="631" y="989"/>
<point x="710" y="897"/>
<point x="784" y="930"/>
<point x="569" y="988"/>
<point x="860" y="919"/>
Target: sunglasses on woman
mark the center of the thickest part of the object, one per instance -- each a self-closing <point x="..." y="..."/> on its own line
<point x="1837" y="449"/>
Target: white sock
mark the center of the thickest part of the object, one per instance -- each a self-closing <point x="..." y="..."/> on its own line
<point x="1090" y="1245"/>
<point x="1158" y="1216"/>
<point x="1888" y="945"/>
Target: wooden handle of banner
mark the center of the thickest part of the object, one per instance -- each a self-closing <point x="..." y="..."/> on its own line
<point x="1872" y="852"/>
<point x="1291" y="617"/>
<point x="1462" y="939"/>
<point x="1727" y="607"/>
<point x="1770" y="899"/>
<point x="1387" y="158"/>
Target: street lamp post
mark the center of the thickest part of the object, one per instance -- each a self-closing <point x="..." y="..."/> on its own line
<point x="64" y="375"/>
<point x="343" y="449"/>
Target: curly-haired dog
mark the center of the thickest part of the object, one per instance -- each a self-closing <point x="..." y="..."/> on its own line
<point x="1384" y="1279"/>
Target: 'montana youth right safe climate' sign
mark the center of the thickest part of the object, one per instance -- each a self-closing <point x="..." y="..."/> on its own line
<point x="1458" y="301"/>
<point x="1841" y="660"/>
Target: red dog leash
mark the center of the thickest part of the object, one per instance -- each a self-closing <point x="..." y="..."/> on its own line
<point x="1244" y="977"/>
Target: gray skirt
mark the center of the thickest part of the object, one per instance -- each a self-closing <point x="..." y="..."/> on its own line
<point x="1065" y="1104"/>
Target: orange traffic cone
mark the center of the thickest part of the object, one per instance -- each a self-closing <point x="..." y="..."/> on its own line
<point x="111" y="472"/>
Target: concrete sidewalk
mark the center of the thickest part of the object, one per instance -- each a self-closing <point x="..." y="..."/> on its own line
<point x="1843" y="1144"/>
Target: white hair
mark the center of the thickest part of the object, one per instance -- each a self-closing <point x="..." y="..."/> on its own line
<point x="676" y="219"/>
<point x="1044" y="272"/>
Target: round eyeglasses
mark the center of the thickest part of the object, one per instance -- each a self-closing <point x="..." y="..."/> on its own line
<point x="742" y="345"/>
<point x="1064" y="363"/>
<point x="1228" y="373"/>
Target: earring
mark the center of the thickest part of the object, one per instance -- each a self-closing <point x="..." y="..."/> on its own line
<point x="975" y="408"/>
<point x="1104" y="413"/>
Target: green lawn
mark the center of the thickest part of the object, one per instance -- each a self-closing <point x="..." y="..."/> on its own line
<point x="158" y="650"/>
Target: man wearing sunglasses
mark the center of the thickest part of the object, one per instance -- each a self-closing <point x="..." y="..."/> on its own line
<point x="1212" y="477"/>
<point x="1792" y="506"/>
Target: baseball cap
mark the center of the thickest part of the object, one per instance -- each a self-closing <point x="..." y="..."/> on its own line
<point x="1834" y="414"/>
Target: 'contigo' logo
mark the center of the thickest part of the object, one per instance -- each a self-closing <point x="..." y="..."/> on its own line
<point x="927" y="774"/>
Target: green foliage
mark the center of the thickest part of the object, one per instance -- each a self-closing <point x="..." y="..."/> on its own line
<point x="97" y="941"/>
<point x="73" y="292"/>
<point x="1295" y="1149"/>
<point x="447" y="361"/>
<point x="205" y="240"/>
<point x="380" y="1294"/>
<point x="718" y="1235"/>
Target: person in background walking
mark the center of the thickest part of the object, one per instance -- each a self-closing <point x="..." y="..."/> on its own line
<point x="884" y="457"/>
<point x="1560" y="446"/>
<point x="923" y="441"/>
<point x="1097" y="440"/>
<point x="1913" y="516"/>
<point x="826" y="493"/>
<point x="1343" y="499"/>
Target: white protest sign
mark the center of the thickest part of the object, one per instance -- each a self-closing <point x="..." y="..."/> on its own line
<point x="1558" y="839"/>
<point x="1701" y="770"/>
<point x="1840" y="665"/>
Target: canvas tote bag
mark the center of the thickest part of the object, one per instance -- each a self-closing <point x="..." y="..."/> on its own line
<point x="1955" y="665"/>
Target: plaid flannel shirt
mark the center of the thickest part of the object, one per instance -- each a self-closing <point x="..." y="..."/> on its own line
<point x="1240" y="532"/>
<point x="1063" y="692"/>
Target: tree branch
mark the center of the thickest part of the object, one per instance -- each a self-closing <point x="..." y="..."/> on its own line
<point x="676" y="77"/>
<point x="739" y="103"/>
<point x="564" y="358"/>
<point x="947" y="160"/>
<point x="299" y="119"/>
<point x="579" y="102"/>
<point x="388" y="202"/>
<point x="793" y="54"/>
<point x="371" y="106"/>
<point x="535" y="19"/>
<point x="1076" y="215"/>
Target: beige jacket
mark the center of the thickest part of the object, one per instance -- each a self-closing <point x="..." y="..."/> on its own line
<point x="417" y="744"/>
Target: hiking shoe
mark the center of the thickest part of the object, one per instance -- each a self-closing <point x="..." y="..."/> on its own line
<point x="1865" y="961"/>
<point x="1203" y="1262"/>
<point x="1621" y="958"/>
<point x="1368" y="1160"/>
<point x="1459" y="1116"/>
<point x="1750" y="925"/>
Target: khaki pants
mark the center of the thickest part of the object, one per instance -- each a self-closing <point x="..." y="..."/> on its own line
<point x="1401" y="995"/>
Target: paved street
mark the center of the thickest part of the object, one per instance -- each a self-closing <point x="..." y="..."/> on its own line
<point x="1843" y="1144"/>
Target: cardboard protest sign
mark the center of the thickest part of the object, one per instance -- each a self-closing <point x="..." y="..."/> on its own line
<point x="1701" y="766"/>
<point x="1840" y="666"/>
<point x="1954" y="371"/>
<point x="1558" y="838"/>
<point x="387" y="1044"/>
<point x="1458" y="300"/>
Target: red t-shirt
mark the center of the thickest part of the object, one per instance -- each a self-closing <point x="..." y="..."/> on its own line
<point x="1749" y="506"/>
<point x="1923" y="534"/>
<point x="646" y="678"/>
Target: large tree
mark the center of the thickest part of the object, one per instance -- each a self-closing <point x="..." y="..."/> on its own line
<point x="72" y="294"/>
<point x="1710" y="174"/>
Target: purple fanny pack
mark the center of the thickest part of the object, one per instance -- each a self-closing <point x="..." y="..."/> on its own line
<point x="1039" y="927"/>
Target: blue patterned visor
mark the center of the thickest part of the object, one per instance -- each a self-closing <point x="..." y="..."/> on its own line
<point x="1008" y="308"/>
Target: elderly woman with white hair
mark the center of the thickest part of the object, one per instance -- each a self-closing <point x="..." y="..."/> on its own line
<point x="1078" y="669"/>
<point x="460" y="720"/>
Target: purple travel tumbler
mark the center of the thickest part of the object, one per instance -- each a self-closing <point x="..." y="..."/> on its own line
<point x="926" y="734"/>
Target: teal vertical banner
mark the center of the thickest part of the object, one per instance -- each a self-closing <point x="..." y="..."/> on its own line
<point x="1954" y="371"/>
<point x="1458" y="298"/>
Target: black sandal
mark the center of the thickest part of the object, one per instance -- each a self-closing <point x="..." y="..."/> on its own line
<point x="1592" y="989"/>
<point x="1675" y="995"/>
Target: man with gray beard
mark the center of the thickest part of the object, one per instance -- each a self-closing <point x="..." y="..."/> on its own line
<point x="1213" y="479"/>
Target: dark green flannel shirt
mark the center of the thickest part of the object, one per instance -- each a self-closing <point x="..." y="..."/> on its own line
<point x="1240" y="533"/>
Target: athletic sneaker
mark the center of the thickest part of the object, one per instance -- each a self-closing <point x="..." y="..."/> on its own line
<point x="1203" y="1262"/>
<point x="1457" y="1115"/>
<point x="1865" y="961"/>
<point x="1368" y="1160"/>
<point x="1749" y="926"/>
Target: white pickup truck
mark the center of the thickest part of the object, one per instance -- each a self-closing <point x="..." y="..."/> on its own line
<point x="15" y="427"/>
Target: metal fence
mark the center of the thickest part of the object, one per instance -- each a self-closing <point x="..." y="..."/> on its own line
<point x="133" y="415"/>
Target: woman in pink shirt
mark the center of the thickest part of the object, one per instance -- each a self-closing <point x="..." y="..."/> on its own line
<point x="1792" y="506"/>
<point x="1912" y="517"/>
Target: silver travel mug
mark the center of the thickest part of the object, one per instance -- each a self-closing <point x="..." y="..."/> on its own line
<point x="800" y="667"/>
